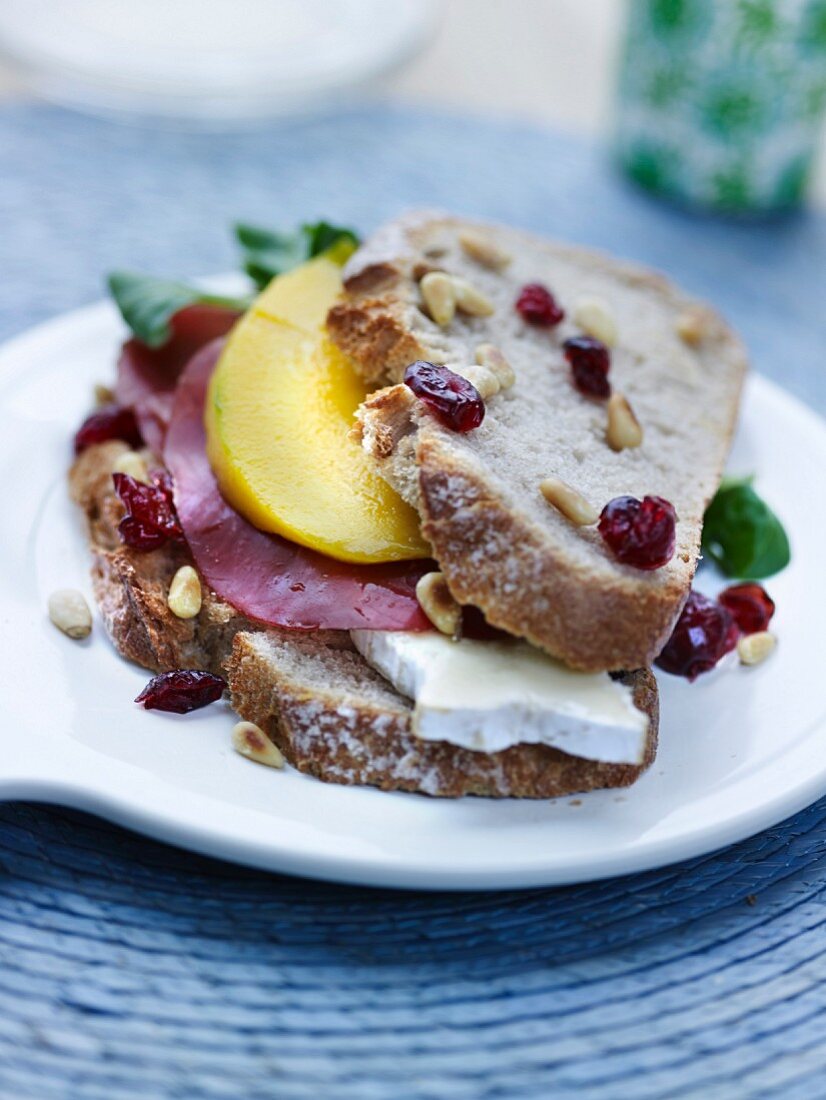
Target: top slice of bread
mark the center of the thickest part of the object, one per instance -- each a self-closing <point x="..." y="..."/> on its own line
<point x="499" y="543"/>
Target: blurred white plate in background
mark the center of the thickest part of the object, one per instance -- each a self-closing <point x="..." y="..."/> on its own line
<point x="209" y="60"/>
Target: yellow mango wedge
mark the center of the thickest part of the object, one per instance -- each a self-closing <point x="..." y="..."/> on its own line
<point x="278" y="412"/>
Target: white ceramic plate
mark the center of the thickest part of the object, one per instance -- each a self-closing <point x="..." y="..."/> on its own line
<point x="211" y="61"/>
<point x="739" y="750"/>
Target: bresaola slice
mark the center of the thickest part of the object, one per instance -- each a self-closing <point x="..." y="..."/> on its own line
<point x="264" y="576"/>
<point x="147" y="376"/>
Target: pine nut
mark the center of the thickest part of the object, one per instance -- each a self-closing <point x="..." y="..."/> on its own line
<point x="70" y="613"/>
<point x="569" y="502"/>
<point x="479" y="247"/>
<point x="693" y="325"/>
<point x="594" y="317"/>
<point x="754" y="648"/>
<point x="251" y="741"/>
<point x="488" y="355"/>
<point x="483" y="379"/>
<point x="131" y="463"/>
<point x="470" y="300"/>
<point x="438" y="604"/>
<point x="623" y="427"/>
<point x="184" y="599"/>
<point x="439" y="296"/>
<point x="103" y="395"/>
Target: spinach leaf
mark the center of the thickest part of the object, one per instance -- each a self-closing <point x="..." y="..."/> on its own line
<point x="742" y="534"/>
<point x="268" y="252"/>
<point x="322" y="236"/>
<point x="148" y="304"/>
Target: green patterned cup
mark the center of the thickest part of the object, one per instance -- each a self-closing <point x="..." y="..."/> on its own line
<point x="721" y="101"/>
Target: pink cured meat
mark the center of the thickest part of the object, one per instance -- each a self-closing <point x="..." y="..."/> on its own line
<point x="147" y="376"/>
<point x="265" y="576"/>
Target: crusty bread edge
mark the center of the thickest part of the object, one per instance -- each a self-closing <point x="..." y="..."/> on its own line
<point x="376" y="746"/>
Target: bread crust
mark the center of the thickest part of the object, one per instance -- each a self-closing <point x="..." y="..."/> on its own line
<point x="581" y="607"/>
<point x="342" y="738"/>
<point x="553" y="604"/>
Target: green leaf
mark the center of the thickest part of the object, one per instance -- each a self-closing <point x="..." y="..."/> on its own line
<point x="322" y="237"/>
<point x="742" y="534"/>
<point x="147" y="304"/>
<point x="268" y="252"/>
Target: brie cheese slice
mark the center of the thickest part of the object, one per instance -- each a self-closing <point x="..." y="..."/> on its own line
<point x="488" y="696"/>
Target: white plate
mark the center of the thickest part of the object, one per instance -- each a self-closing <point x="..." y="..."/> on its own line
<point x="739" y="750"/>
<point x="211" y="61"/>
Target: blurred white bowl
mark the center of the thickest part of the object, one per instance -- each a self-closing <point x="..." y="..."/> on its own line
<point x="209" y="60"/>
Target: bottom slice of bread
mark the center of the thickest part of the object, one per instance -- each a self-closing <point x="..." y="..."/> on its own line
<point x="334" y="717"/>
<point x="328" y="711"/>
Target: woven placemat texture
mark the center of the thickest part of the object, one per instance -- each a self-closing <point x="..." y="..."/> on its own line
<point x="130" y="969"/>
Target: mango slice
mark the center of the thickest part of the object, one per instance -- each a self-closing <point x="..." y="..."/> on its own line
<point x="278" y="412"/>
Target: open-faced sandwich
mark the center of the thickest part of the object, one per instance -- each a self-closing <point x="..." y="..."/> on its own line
<point x="428" y="508"/>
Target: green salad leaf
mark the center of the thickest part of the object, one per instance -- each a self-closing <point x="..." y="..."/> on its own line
<point x="147" y="304"/>
<point x="268" y="252"/>
<point x="742" y="534"/>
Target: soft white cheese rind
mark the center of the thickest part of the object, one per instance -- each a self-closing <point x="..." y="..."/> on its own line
<point x="489" y="696"/>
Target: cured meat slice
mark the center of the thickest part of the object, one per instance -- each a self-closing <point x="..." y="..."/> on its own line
<point x="265" y="576"/>
<point x="147" y="376"/>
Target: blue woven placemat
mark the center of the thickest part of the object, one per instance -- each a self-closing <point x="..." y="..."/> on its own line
<point x="130" y="969"/>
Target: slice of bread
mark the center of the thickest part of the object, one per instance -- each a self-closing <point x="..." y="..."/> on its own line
<point x="318" y="699"/>
<point x="335" y="718"/>
<point x="501" y="546"/>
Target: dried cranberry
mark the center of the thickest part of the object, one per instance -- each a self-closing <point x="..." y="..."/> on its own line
<point x="750" y="604"/>
<point x="110" y="422"/>
<point x="704" y="633"/>
<point x="590" y="362"/>
<point x="150" y="520"/>
<point x="641" y="533"/>
<point x="181" y="691"/>
<point x="451" y="398"/>
<point x="538" y="306"/>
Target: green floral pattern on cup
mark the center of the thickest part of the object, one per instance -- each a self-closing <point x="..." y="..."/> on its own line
<point x="721" y="101"/>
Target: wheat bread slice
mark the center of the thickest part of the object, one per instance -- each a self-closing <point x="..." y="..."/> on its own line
<point x="335" y="718"/>
<point x="501" y="546"/>
<point x="319" y="700"/>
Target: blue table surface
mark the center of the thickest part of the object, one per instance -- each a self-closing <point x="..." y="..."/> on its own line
<point x="130" y="969"/>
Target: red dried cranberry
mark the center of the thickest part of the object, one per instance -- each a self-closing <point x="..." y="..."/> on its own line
<point x="750" y="604"/>
<point x="150" y="519"/>
<point x="704" y="633"/>
<point x="181" y="691"/>
<point x="641" y="533"/>
<point x="590" y="362"/>
<point x="451" y="398"/>
<point x="110" y="422"/>
<point x="538" y="306"/>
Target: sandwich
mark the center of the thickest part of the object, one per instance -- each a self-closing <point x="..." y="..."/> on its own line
<point x="427" y="509"/>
